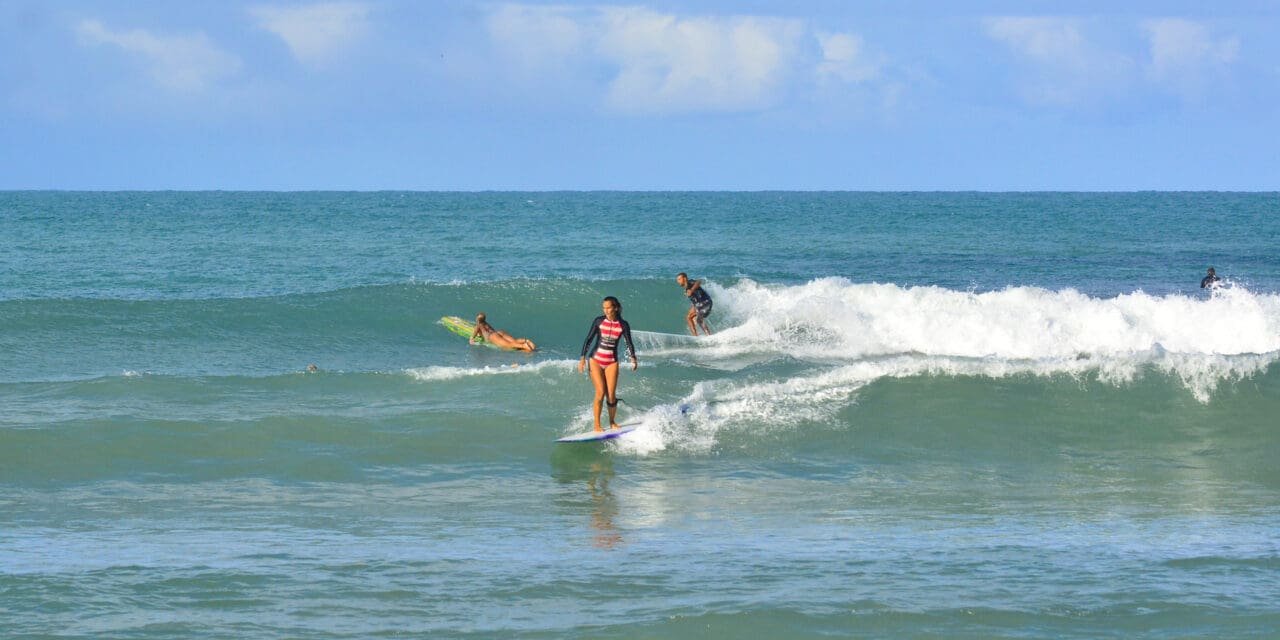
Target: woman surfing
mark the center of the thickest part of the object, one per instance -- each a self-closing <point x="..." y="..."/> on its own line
<point x="605" y="334"/>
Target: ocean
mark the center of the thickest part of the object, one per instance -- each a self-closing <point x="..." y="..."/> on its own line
<point x="920" y="415"/>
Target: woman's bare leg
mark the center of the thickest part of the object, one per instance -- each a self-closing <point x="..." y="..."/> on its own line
<point x="598" y="379"/>
<point x="506" y="340"/>
<point x="611" y="384"/>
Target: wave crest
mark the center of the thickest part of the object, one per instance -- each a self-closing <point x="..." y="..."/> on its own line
<point x="834" y="319"/>
<point x="859" y="333"/>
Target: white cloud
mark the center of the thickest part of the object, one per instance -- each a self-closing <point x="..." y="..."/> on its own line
<point x="537" y="37"/>
<point x="845" y="59"/>
<point x="717" y="64"/>
<point x="1042" y="39"/>
<point x="654" y="62"/>
<point x="1184" y="55"/>
<point x="187" y="63"/>
<point x="1068" y="69"/>
<point x="315" y="33"/>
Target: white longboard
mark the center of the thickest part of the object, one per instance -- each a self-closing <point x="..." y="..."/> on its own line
<point x="592" y="436"/>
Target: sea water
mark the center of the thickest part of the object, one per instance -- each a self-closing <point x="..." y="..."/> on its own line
<point x="950" y="415"/>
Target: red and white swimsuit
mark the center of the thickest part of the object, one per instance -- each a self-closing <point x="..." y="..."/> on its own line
<point x="607" y="352"/>
<point x="606" y="334"/>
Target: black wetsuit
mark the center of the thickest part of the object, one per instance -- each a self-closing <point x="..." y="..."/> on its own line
<point x="700" y="299"/>
<point x="1208" y="280"/>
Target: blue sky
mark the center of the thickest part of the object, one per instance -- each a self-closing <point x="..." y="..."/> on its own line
<point x="695" y="94"/>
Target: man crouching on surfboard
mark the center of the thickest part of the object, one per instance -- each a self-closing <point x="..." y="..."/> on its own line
<point x="605" y="334"/>
<point x="499" y="338"/>
<point x="700" y="300"/>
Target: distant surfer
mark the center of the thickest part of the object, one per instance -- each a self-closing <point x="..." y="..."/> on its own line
<point x="700" y="300"/>
<point x="499" y="338"/>
<point x="605" y="334"/>
<point x="1210" y="281"/>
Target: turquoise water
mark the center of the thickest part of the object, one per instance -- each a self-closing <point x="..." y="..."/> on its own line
<point x="921" y="415"/>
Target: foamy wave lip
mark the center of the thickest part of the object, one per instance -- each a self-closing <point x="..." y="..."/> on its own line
<point x="832" y="318"/>
<point x="863" y="332"/>
<point x="859" y="333"/>
<point x="1201" y="338"/>
<point x="435" y="374"/>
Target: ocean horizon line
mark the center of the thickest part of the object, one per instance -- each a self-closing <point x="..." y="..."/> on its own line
<point x="663" y="191"/>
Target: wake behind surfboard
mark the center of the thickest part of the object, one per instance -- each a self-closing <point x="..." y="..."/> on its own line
<point x="465" y="328"/>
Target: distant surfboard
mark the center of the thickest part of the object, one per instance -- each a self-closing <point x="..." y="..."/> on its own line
<point x="594" y="436"/>
<point x="465" y="328"/>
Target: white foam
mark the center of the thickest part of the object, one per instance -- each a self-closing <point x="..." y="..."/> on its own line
<point x="435" y="374"/>
<point x="697" y="421"/>
<point x="834" y="319"/>
<point x="858" y="333"/>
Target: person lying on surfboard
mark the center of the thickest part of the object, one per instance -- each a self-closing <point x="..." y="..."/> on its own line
<point x="606" y="332"/>
<point x="499" y="338"/>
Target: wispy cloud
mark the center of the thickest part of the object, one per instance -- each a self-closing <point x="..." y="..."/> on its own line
<point x="845" y="59"/>
<point x="1185" y="56"/>
<point x="715" y="64"/>
<point x="1067" y="69"/>
<point x="536" y="39"/>
<point x="315" y="33"/>
<point x="1045" y="40"/>
<point x="184" y="63"/>
<point x="655" y="62"/>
